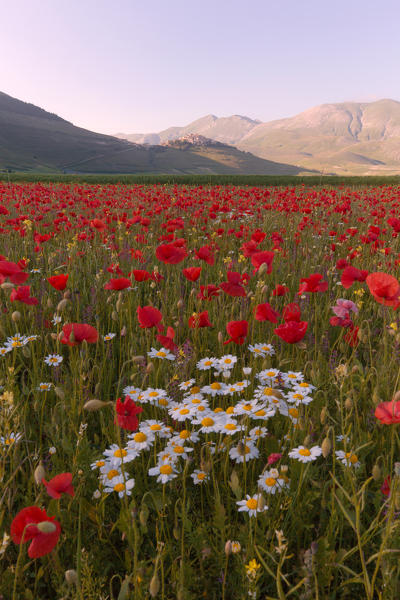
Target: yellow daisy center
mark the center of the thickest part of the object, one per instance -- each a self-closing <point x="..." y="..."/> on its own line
<point x="112" y="473"/>
<point x="119" y="487"/>
<point x="140" y="437"/>
<point x="207" y="422"/>
<point x="215" y="386"/>
<point x="304" y="452"/>
<point x="252" y="504"/>
<point x="166" y="470"/>
<point x="270" y="481"/>
<point x="120" y="453"/>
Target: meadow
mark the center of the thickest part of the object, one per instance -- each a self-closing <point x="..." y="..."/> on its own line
<point x="200" y="392"/>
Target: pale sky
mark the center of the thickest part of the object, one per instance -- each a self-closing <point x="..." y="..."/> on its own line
<point x="144" y="65"/>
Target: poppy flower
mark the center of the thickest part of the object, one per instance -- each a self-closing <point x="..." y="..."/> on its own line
<point x="22" y="294"/>
<point x="350" y="275"/>
<point x="264" y="257"/>
<point x="385" y="487"/>
<point x="314" y="283"/>
<point x="192" y="273"/>
<point x="58" y="485"/>
<point x="265" y="312"/>
<point x="58" y="282"/>
<point x="233" y="286"/>
<point x="205" y="253"/>
<point x="292" y="331"/>
<point x="170" y="254"/>
<point x="98" y="224"/>
<point x="384" y="288"/>
<point x="168" y="340"/>
<point x="11" y="271"/>
<point x="341" y="264"/>
<point x="207" y="292"/>
<point x="120" y="283"/>
<point x="291" y="312"/>
<point x="351" y="337"/>
<point x="148" y="316"/>
<point x="249" y="248"/>
<point x="237" y="330"/>
<point x="388" y="413"/>
<point x="199" y="320"/>
<point x="126" y="412"/>
<point x="34" y="524"/>
<point x="76" y="333"/>
<point x="141" y="274"/>
<point x="280" y="290"/>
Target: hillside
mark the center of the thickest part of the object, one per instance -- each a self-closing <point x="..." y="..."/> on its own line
<point x="32" y="139"/>
<point x="344" y="138"/>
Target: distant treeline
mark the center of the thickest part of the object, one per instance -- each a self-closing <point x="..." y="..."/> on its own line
<point x="205" y="180"/>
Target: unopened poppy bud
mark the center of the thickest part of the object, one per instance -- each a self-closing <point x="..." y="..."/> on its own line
<point x="143" y="515"/>
<point x="348" y="403"/>
<point x="326" y="447"/>
<point x="138" y="359"/>
<point x="49" y="303"/>
<point x="114" y="315"/>
<point x="62" y="305"/>
<point x="322" y="416"/>
<point x="59" y="392"/>
<point x="192" y="292"/>
<point x="396" y="397"/>
<point x="264" y="290"/>
<point x="54" y="336"/>
<point x="16" y="316"/>
<point x="7" y="285"/>
<point x="94" y="404"/>
<point x="150" y="367"/>
<point x="307" y="441"/>
<point x="67" y="294"/>
<point x="375" y="397"/>
<point x="176" y="323"/>
<point x="284" y="469"/>
<point x="46" y="527"/>
<point x="71" y="577"/>
<point x="123" y="331"/>
<point x="180" y="303"/>
<point x="154" y="587"/>
<point x="376" y="472"/>
<point x="262" y="269"/>
<point x="261" y="502"/>
<point x="228" y="547"/>
<point x="220" y="337"/>
<point x="39" y="474"/>
<point x="26" y="351"/>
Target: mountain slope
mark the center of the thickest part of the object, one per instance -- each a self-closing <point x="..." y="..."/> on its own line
<point x="33" y="139"/>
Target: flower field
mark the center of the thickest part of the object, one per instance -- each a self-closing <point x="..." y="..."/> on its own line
<point x="200" y="392"/>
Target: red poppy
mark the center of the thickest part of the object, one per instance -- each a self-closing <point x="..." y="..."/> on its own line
<point x="13" y="272"/>
<point x="249" y="248"/>
<point x="58" y="485"/>
<point x="313" y="283"/>
<point x="351" y="337"/>
<point x="192" y="273"/>
<point x="280" y="290"/>
<point x="388" y="412"/>
<point x="141" y="274"/>
<point x="207" y="292"/>
<point x="259" y="258"/>
<point x="168" y="340"/>
<point x="22" y="294"/>
<point x="148" y="316"/>
<point x="170" y="254"/>
<point x="350" y="275"/>
<point x="199" y="320"/>
<point x="205" y="253"/>
<point x="341" y="264"/>
<point x="237" y="330"/>
<point x="76" y="333"/>
<point x="291" y="312"/>
<point x="385" y="487"/>
<point x="384" y="288"/>
<point x="265" y="312"/>
<point x="98" y="224"/>
<point x="292" y="331"/>
<point x="126" y="412"/>
<point x="120" y="283"/>
<point x="233" y="286"/>
<point x="58" y="282"/>
<point x="34" y="524"/>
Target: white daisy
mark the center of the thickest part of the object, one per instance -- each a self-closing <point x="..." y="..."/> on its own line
<point x="251" y="505"/>
<point x="164" y="472"/>
<point x="296" y="397"/>
<point x="116" y="455"/>
<point x="247" y="450"/>
<point x="216" y="388"/>
<point x="140" y="440"/>
<point x="5" y="350"/>
<point x="305" y="455"/>
<point x="132" y="391"/>
<point x="44" y="387"/>
<point x="109" y="336"/>
<point x="186" y="385"/>
<point x="53" y="360"/>
<point x="206" y="363"/>
<point x="162" y="353"/>
<point x="120" y="485"/>
<point x="209" y="423"/>
<point x="270" y="481"/>
<point x="199" y="476"/>
<point x="348" y="459"/>
<point x="11" y="438"/>
<point x="262" y="350"/>
<point x="157" y="428"/>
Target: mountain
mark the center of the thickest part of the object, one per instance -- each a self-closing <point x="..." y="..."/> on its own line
<point x="34" y="139"/>
<point x="348" y="138"/>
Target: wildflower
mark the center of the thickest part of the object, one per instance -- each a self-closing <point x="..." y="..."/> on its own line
<point x="170" y="254"/>
<point x="244" y="452"/>
<point x="10" y="439"/>
<point x="199" y="476"/>
<point x="148" y="317"/>
<point x="58" y="282"/>
<point x="109" y="336"/>
<point x="22" y="294"/>
<point x="162" y="353"/>
<point x="292" y="331"/>
<point x="126" y="412"/>
<point x="270" y="481"/>
<point x="142" y="440"/>
<point x="53" y="360"/>
<point x="52" y="450"/>
<point x="116" y="455"/>
<point x="388" y="413"/>
<point x="384" y="288"/>
<point x="313" y="283"/>
<point x="251" y="505"/>
<point x="34" y="524"/>
<point x="303" y="454"/>
<point x="274" y="457"/>
<point x="164" y="472"/>
<point x="265" y="312"/>
<point x="237" y="330"/>
<point x="56" y="319"/>
<point x="58" y="485"/>
<point x="348" y="458"/>
<point x="122" y="486"/>
<point x="209" y="424"/>
<point x="76" y="333"/>
<point x="206" y="363"/>
<point x="192" y="273"/>
<point x="120" y="283"/>
<point x="44" y="387"/>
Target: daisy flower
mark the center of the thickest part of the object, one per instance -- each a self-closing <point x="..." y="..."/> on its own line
<point x="109" y="336"/>
<point x="11" y="438"/>
<point x="120" y="485"/>
<point x="227" y="361"/>
<point x="251" y="505"/>
<point x="304" y="387"/>
<point x="292" y="377"/>
<point x="348" y="459"/>
<point x="141" y="440"/>
<point x="263" y="413"/>
<point x="199" y="476"/>
<point x="206" y="363"/>
<point x="270" y="481"/>
<point x="258" y="432"/>
<point x="262" y="350"/>
<point x="244" y="451"/>
<point x="238" y="386"/>
<point x="180" y="412"/>
<point x="97" y="464"/>
<point x="132" y="392"/>
<point x="53" y="360"/>
<point x="245" y="407"/>
<point x="44" y="387"/>
<point x="215" y="389"/>
<point x="4" y="350"/>
<point x="186" y="385"/>
<point x="116" y="455"/>
<point x="296" y="397"/>
<point x="164" y="472"/>
<point x="209" y="423"/>
<point x="230" y="427"/>
<point x="56" y="319"/>
<point x="151" y="395"/>
<point x="185" y="435"/>
<point x="269" y="376"/>
<point x="108" y="472"/>
<point x="178" y="450"/>
<point x="157" y="428"/>
<point x="305" y="455"/>
<point x="162" y="353"/>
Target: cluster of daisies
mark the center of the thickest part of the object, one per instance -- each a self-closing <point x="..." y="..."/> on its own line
<point x="16" y="341"/>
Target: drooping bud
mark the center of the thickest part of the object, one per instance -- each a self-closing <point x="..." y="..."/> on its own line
<point x="154" y="587"/>
<point x="95" y="404"/>
<point x="220" y="337"/>
<point x="326" y="447"/>
<point x="150" y="367"/>
<point x="71" y="577"/>
<point x="228" y="548"/>
<point x="348" y="404"/>
<point x="62" y="305"/>
<point x="46" y="527"/>
<point x="123" y="331"/>
<point x="39" y="474"/>
<point x="59" y="392"/>
<point x="376" y="472"/>
<point x="16" y="316"/>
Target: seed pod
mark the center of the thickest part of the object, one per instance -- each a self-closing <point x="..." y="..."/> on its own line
<point x="326" y="447"/>
<point x="144" y="515"/>
<point x="348" y="404"/>
<point x="62" y="305"/>
<point x="16" y="316"/>
<point x="39" y="474"/>
<point x="323" y="415"/>
<point x="94" y="404"/>
<point x="154" y="587"/>
<point x="114" y="315"/>
<point x="26" y="351"/>
<point x="375" y="397"/>
<point x="176" y="532"/>
<point x="7" y="285"/>
<point x="376" y="472"/>
<point x="71" y="577"/>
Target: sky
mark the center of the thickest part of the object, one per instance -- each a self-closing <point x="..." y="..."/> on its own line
<point x="138" y="66"/>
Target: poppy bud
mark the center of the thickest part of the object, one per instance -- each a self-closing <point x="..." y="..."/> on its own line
<point x="150" y="367"/>
<point x="7" y="285"/>
<point x="307" y="441"/>
<point x="59" y="392"/>
<point x="94" y="404"/>
<point x="322" y="416"/>
<point x="376" y="472"/>
<point x="228" y="547"/>
<point x="220" y="337"/>
<point x="49" y="303"/>
<point x="26" y="351"/>
<point x="123" y="331"/>
<point x="180" y="303"/>
<point x="144" y="515"/>
<point x="262" y="269"/>
<point x="326" y="447"/>
<point x="396" y="397"/>
<point x="71" y="577"/>
<point x="16" y="316"/>
<point x="46" y="527"/>
<point x="67" y="294"/>
<point x="138" y="359"/>
<point x="264" y="290"/>
<point x="261" y="502"/>
<point x="114" y="315"/>
<point x="62" y="305"/>
<point x="176" y="532"/>
<point x="375" y="397"/>
<point x="154" y="586"/>
<point x="39" y="474"/>
<point x="348" y="403"/>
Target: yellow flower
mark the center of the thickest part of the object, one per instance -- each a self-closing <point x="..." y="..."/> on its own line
<point x="393" y="326"/>
<point x="252" y="568"/>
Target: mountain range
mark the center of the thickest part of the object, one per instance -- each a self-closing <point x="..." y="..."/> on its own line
<point x="348" y="138"/>
<point x="32" y="139"/>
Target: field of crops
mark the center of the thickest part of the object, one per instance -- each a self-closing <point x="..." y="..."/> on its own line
<point x="199" y="392"/>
